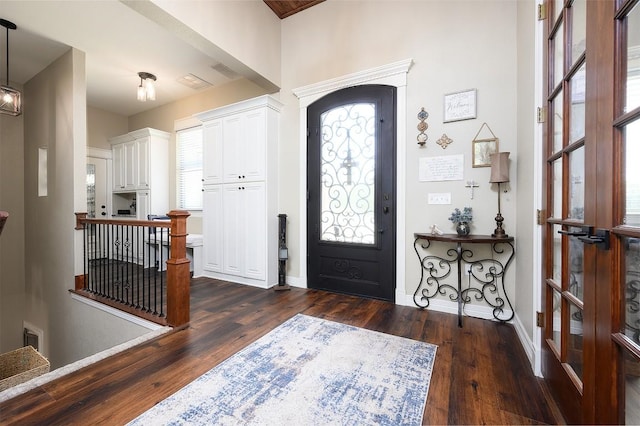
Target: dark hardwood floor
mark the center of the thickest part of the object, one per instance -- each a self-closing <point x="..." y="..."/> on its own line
<point x="481" y="373"/>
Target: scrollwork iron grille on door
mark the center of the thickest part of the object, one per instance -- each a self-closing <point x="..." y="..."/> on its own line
<point x="347" y="167"/>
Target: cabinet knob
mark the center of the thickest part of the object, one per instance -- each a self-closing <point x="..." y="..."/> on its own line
<point x="242" y="176"/>
<point x="239" y="177"/>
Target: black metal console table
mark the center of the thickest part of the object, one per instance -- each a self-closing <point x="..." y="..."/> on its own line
<point x="488" y="273"/>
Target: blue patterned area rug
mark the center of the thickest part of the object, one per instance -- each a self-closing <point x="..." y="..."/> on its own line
<point x="308" y="371"/>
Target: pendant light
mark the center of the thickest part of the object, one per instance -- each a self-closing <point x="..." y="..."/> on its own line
<point x="147" y="89"/>
<point x="10" y="99"/>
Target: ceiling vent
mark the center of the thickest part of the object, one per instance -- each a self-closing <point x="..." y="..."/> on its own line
<point x="194" y="82"/>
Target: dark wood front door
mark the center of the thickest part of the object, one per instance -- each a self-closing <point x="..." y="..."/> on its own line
<point x="351" y="232"/>
<point x="591" y="289"/>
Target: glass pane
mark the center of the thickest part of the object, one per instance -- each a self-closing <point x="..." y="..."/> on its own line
<point x="558" y="56"/>
<point x="557" y="122"/>
<point x="631" y="272"/>
<point x="557" y="254"/>
<point x="576" y="187"/>
<point x="577" y="105"/>
<point x="557" y="319"/>
<point x="574" y="350"/>
<point x="347" y="166"/>
<point x="578" y="29"/>
<point x="632" y="390"/>
<point x="633" y="60"/>
<point x="557" y="7"/>
<point x="576" y="256"/>
<point x="91" y="191"/>
<point x="632" y="173"/>
<point x="557" y="189"/>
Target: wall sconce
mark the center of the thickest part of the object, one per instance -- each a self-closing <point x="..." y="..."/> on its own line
<point x="10" y="99"/>
<point x="499" y="174"/>
<point x="147" y="89"/>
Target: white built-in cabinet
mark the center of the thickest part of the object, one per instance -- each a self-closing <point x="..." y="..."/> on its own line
<point x="240" y="217"/>
<point x="141" y="172"/>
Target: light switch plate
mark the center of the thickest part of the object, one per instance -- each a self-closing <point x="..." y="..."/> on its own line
<point x="439" y="198"/>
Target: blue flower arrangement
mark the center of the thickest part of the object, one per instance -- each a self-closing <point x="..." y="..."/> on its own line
<point x="457" y="216"/>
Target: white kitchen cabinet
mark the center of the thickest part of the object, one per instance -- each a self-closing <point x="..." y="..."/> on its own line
<point x="124" y="158"/>
<point x="141" y="172"/>
<point x="240" y="217"/>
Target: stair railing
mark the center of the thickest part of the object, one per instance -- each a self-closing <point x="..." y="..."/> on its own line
<point x="138" y="266"/>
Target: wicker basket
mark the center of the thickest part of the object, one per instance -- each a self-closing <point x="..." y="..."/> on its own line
<point x="20" y="366"/>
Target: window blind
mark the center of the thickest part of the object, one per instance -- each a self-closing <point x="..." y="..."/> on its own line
<point x="189" y="164"/>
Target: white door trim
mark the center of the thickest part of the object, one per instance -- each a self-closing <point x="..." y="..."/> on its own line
<point x="394" y="74"/>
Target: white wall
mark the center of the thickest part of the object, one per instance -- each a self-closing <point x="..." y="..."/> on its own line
<point x="12" y="300"/>
<point x="455" y="45"/>
<point x="55" y="119"/>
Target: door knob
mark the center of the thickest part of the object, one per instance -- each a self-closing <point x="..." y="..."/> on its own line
<point x="385" y="210"/>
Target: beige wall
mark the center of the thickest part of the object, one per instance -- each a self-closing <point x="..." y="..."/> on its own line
<point x="56" y="120"/>
<point x="12" y="298"/>
<point x="164" y="117"/>
<point x="102" y="125"/>
<point x="455" y="45"/>
<point x="526" y="288"/>
<point x="246" y="34"/>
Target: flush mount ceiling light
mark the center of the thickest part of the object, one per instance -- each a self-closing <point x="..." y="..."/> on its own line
<point x="10" y="99"/>
<point x="147" y="89"/>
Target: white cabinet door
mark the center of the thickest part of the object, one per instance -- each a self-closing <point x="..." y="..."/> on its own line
<point x="212" y="228"/>
<point x="253" y="153"/>
<point x="212" y="153"/>
<point x="142" y="205"/>
<point x="234" y="148"/>
<point x="130" y="160"/>
<point x="142" y="163"/>
<point x="234" y="218"/>
<point x="254" y="231"/>
<point x="118" y="167"/>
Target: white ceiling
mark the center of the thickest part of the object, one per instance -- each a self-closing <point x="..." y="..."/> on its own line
<point x="118" y="42"/>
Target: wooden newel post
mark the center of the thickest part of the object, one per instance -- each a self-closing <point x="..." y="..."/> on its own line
<point x="178" y="275"/>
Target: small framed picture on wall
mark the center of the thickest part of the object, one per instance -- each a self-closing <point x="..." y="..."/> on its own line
<point x="482" y="150"/>
<point x="460" y="106"/>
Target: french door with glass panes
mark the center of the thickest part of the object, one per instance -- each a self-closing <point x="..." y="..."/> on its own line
<point x="591" y="268"/>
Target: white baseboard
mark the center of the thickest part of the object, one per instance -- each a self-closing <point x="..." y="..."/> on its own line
<point x="449" y="307"/>
<point x="296" y="282"/>
<point x="526" y="342"/>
